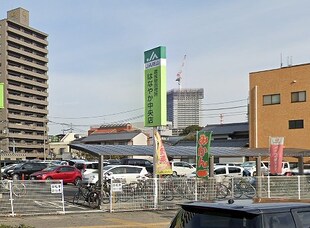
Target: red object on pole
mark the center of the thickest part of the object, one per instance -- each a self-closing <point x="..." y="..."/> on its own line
<point x="276" y="154"/>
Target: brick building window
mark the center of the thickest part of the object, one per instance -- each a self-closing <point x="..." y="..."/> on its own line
<point x="295" y="124"/>
<point x="271" y="99"/>
<point x="298" y="96"/>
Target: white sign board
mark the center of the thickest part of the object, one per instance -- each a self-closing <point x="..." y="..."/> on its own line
<point x="56" y="188"/>
<point x="117" y="187"/>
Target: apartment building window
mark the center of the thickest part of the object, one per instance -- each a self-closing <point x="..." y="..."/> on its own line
<point x="271" y="99"/>
<point x="298" y="96"/>
<point x="295" y="124"/>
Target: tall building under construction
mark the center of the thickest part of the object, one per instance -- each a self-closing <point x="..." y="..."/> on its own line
<point x="184" y="107"/>
<point x="23" y="77"/>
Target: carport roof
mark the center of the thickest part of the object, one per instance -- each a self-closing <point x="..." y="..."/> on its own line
<point x="130" y="150"/>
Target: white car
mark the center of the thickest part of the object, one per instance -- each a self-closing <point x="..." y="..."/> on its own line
<point x="126" y="173"/>
<point x="222" y="171"/>
<point x="90" y="167"/>
<point x="228" y="171"/>
<point x="180" y="168"/>
<point x="250" y="166"/>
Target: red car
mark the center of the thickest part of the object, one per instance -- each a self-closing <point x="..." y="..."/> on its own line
<point x="68" y="174"/>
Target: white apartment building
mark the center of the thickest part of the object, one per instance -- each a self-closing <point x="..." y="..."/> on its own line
<point x="184" y="107"/>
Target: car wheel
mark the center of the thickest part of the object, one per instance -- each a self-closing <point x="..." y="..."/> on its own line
<point x="77" y="181"/>
<point x="48" y="178"/>
<point x="15" y="177"/>
<point x="174" y="173"/>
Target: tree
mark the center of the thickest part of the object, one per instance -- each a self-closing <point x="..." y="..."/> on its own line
<point x="191" y="129"/>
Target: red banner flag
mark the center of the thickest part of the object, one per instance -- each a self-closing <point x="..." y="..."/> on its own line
<point x="203" y="153"/>
<point x="276" y="154"/>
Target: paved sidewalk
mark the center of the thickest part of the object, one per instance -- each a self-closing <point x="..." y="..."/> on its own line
<point x="139" y="219"/>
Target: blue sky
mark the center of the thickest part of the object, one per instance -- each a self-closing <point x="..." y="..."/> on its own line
<point x="96" y="52"/>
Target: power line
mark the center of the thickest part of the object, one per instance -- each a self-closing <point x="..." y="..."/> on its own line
<point x="226" y="102"/>
<point x="216" y="109"/>
<point x="133" y="110"/>
<point x="225" y="113"/>
<point x="93" y="117"/>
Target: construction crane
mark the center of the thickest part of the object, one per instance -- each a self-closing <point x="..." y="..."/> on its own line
<point x="179" y="74"/>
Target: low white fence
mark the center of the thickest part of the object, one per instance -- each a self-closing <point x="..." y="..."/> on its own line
<point x="167" y="193"/>
<point x="47" y="197"/>
<point x="29" y="197"/>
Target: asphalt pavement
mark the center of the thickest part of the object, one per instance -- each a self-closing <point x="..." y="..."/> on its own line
<point x="95" y="219"/>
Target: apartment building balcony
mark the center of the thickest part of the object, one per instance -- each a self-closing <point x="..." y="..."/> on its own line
<point x="23" y="89"/>
<point x="17" y="40"/>
<point x="30" y="127"/>
<point x="27" y="72"/>
<point x="26" y="53"/>
<point x="27" y="100"/>
<point x="28" y="145"/>
<point x="20" y="136"/>
<point x="30" y="37"/>
<point x="27" y="109"/>
<point x="25" y="117"/>
<point x="28" y="63"/>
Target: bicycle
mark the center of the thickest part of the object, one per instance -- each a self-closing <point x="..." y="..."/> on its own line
<point x="18" y="189"/>
<point x="243" y="187"/>
<point x="89" y="194"/>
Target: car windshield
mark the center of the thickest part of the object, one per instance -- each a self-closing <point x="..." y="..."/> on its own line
<point x="106" y="168"/>
<point x="18" y="165"/>
<point x="50" y="168"/>
<point x="248" y="164"/>
<point x="207" y="219"/>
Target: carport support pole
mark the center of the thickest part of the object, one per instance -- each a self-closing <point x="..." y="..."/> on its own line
<point x="154" y="168"/>
<point x="301" y="165"/>
<point x="101" y="174"/>
<point x="211" y="166"/>
<point x="259" y="177"/>
<point x="211" y="184"/>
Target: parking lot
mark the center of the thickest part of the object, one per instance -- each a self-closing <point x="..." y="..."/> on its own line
<point x="154" y="219"/>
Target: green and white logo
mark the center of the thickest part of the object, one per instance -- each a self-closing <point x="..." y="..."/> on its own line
<point x="153" y="57"/>
<point x="155" y="54"/>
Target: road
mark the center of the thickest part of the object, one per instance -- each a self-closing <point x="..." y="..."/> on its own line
<point x="138" y="219"/>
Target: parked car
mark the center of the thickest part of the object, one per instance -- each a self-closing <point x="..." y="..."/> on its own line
<point x="90" y="167"/>
<point x="206" y="215"/>
<point x="222" y="171"/>
<point x="181" y="168"/>
<point x="250" y="166"/>
<point x="68" y="174"/>
<point x="286" y="167"/>
<point x="10" y="166"/>
<point x="138" y="162"/>
<point x="127" y="173"/>
<point x="59" y="162"/>
<point x="24" y="170"/>
<point x="295" y="171"/>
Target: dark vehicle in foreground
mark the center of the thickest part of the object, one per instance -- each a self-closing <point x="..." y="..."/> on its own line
<point x="68" y="174"/>
<point x="23" y="171"/>
<point x="221" y="215"/>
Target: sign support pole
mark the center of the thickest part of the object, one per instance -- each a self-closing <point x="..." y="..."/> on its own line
<point x="154" y="169"/>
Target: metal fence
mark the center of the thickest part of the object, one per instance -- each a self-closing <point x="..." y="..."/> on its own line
<point x="29" y="197"/>
<point x="167" y="193"/>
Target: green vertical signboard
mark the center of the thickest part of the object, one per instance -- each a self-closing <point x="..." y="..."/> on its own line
<point x="203" y="153"/>
<point x="1" y="95"/>
<point x="155" y="88"/>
